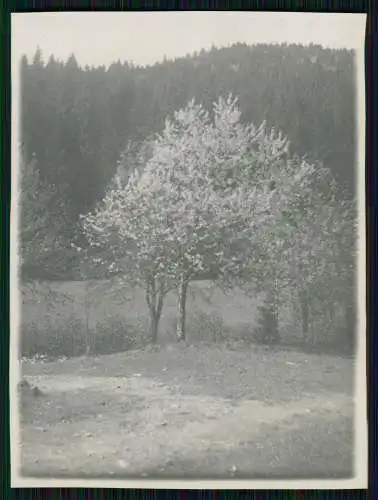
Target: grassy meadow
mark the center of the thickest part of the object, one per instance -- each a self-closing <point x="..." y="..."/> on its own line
<point x="55" y="317"/>
<point x="190" y="411"/>
<point x="202" y="408"/>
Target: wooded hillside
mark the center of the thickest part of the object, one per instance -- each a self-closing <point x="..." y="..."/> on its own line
<point x="77" y="121"/>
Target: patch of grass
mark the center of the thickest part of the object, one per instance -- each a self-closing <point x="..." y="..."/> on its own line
<point x="114" y="334"/>
<point x="69" y="338"/>
<point x="317" y="448"/>
<point x="251" y="372"/>
<point x="54" y="318"/>
<point x="55" y="315"/>
<point x="192" y="411"/>
<point x="52" y="339"/>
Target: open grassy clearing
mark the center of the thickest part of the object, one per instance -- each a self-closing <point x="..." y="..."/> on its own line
<point x="117" y="319"/>
<point x="106" y="301"/>
<point x="190" y="411"/>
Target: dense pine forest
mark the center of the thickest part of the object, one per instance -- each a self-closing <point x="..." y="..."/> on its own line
<point x="77" y="121"/>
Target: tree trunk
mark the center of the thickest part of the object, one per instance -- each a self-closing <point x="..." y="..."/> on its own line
<point x="155" y="305"/>
<point x="331" y="313"/>
<point x="154" y="326"/>
<point x="269" y="320"/>
<point x="181" y="308"/>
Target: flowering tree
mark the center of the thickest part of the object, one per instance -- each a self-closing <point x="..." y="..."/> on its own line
<point x="134" y="157"/>
<point x="220" y="199"/>
<point x="307" y="251"/>
<point x="323" y="250"/>
<point x="190" y="212"/>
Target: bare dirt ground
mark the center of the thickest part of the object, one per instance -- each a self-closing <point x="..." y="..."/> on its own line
<point x="190" y="411"/>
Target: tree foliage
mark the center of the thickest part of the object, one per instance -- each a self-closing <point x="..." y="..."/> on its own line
<point x="42" y="224"/>
<point x="194" y="209"/>
<point x="307" y="252"/>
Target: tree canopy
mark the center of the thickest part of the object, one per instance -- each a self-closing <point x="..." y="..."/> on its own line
<point x="221" y="198"/>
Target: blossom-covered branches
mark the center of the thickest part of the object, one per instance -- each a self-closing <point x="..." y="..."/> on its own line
<point x="215" y="197"/>
<point x="191" y="209"/>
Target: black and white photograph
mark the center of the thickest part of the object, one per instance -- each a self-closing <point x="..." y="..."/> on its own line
<point x="188" y="275"/>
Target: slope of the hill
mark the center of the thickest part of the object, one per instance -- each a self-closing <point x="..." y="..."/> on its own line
<point x="76" y="121"/>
